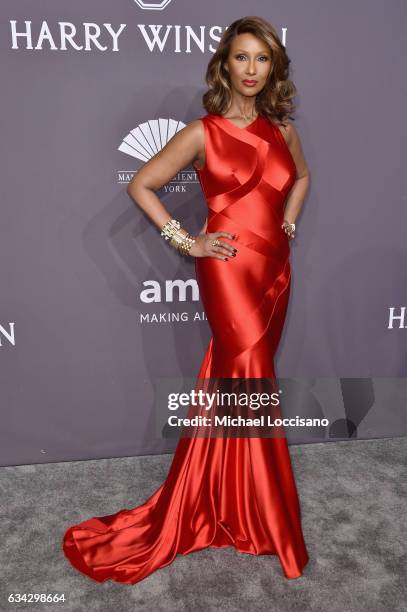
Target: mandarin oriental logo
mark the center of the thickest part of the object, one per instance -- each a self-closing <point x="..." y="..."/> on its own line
<point x="145" y="141"/>
<point x="149" y="138"/>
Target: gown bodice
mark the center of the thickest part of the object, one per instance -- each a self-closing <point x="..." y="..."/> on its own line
<point x="247" y="175"/>
<point x="246" y="178"/>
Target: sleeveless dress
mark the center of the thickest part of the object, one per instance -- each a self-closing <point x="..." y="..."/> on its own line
<point x="227" y="491"/>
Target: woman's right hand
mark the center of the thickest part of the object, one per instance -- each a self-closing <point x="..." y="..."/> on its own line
<point x="203" y="246"/>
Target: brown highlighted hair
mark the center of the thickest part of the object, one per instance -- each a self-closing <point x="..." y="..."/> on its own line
<point x="275" y="100"/>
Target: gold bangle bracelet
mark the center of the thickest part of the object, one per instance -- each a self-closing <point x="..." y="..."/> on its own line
<point x="182" y="241"/>
<point x="178" y="237"/>
<point x="170" y="228"/>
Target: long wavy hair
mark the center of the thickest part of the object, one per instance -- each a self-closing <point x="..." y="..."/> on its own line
<point x="275" y="100"/>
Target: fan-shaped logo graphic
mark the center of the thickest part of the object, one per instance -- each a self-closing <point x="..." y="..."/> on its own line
<point x="149" y="138"/>
<point x="152" y="6"/>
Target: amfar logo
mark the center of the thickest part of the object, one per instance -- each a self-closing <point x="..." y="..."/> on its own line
<point x="153" y="6"/>
<point x="174" y="290"/>
<point x="145" y="141"/>
<point x="153" y="293"/>
<point x="401" y="318"/>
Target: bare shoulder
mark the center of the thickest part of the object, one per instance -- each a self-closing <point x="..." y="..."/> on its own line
<point x="192" y="134"/>
<point x="291" y="136"/>
<point x="190" y="131"/>
<point x="197" y="134"/>
<point x="186" y="143"/>
<point x="197" y="127"/>
<point x="288" y="130"/>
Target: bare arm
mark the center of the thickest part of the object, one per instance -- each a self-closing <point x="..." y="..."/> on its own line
<point x="298" y="191"/>
<point x="182" y="149"/>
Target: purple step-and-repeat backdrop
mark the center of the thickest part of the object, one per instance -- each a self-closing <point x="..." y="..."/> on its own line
<point x="96" y="310"/>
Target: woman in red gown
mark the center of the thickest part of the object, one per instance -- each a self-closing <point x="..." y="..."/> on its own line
<point x="224" y="491"/>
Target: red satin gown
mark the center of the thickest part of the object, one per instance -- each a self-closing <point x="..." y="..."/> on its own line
<point x="236" y="491"/>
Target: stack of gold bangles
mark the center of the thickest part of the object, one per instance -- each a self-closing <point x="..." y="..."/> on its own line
<point x="179" y="238"/>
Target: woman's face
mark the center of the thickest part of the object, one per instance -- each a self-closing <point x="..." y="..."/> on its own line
<point x="249" y="60"/>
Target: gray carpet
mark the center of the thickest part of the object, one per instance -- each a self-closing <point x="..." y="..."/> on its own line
<point x="353" y="500"/>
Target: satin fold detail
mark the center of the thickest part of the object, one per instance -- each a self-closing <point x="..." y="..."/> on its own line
<point x="222" y="492"/>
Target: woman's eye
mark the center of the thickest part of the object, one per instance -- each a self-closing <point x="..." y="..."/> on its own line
<point x="261" y="57"/>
